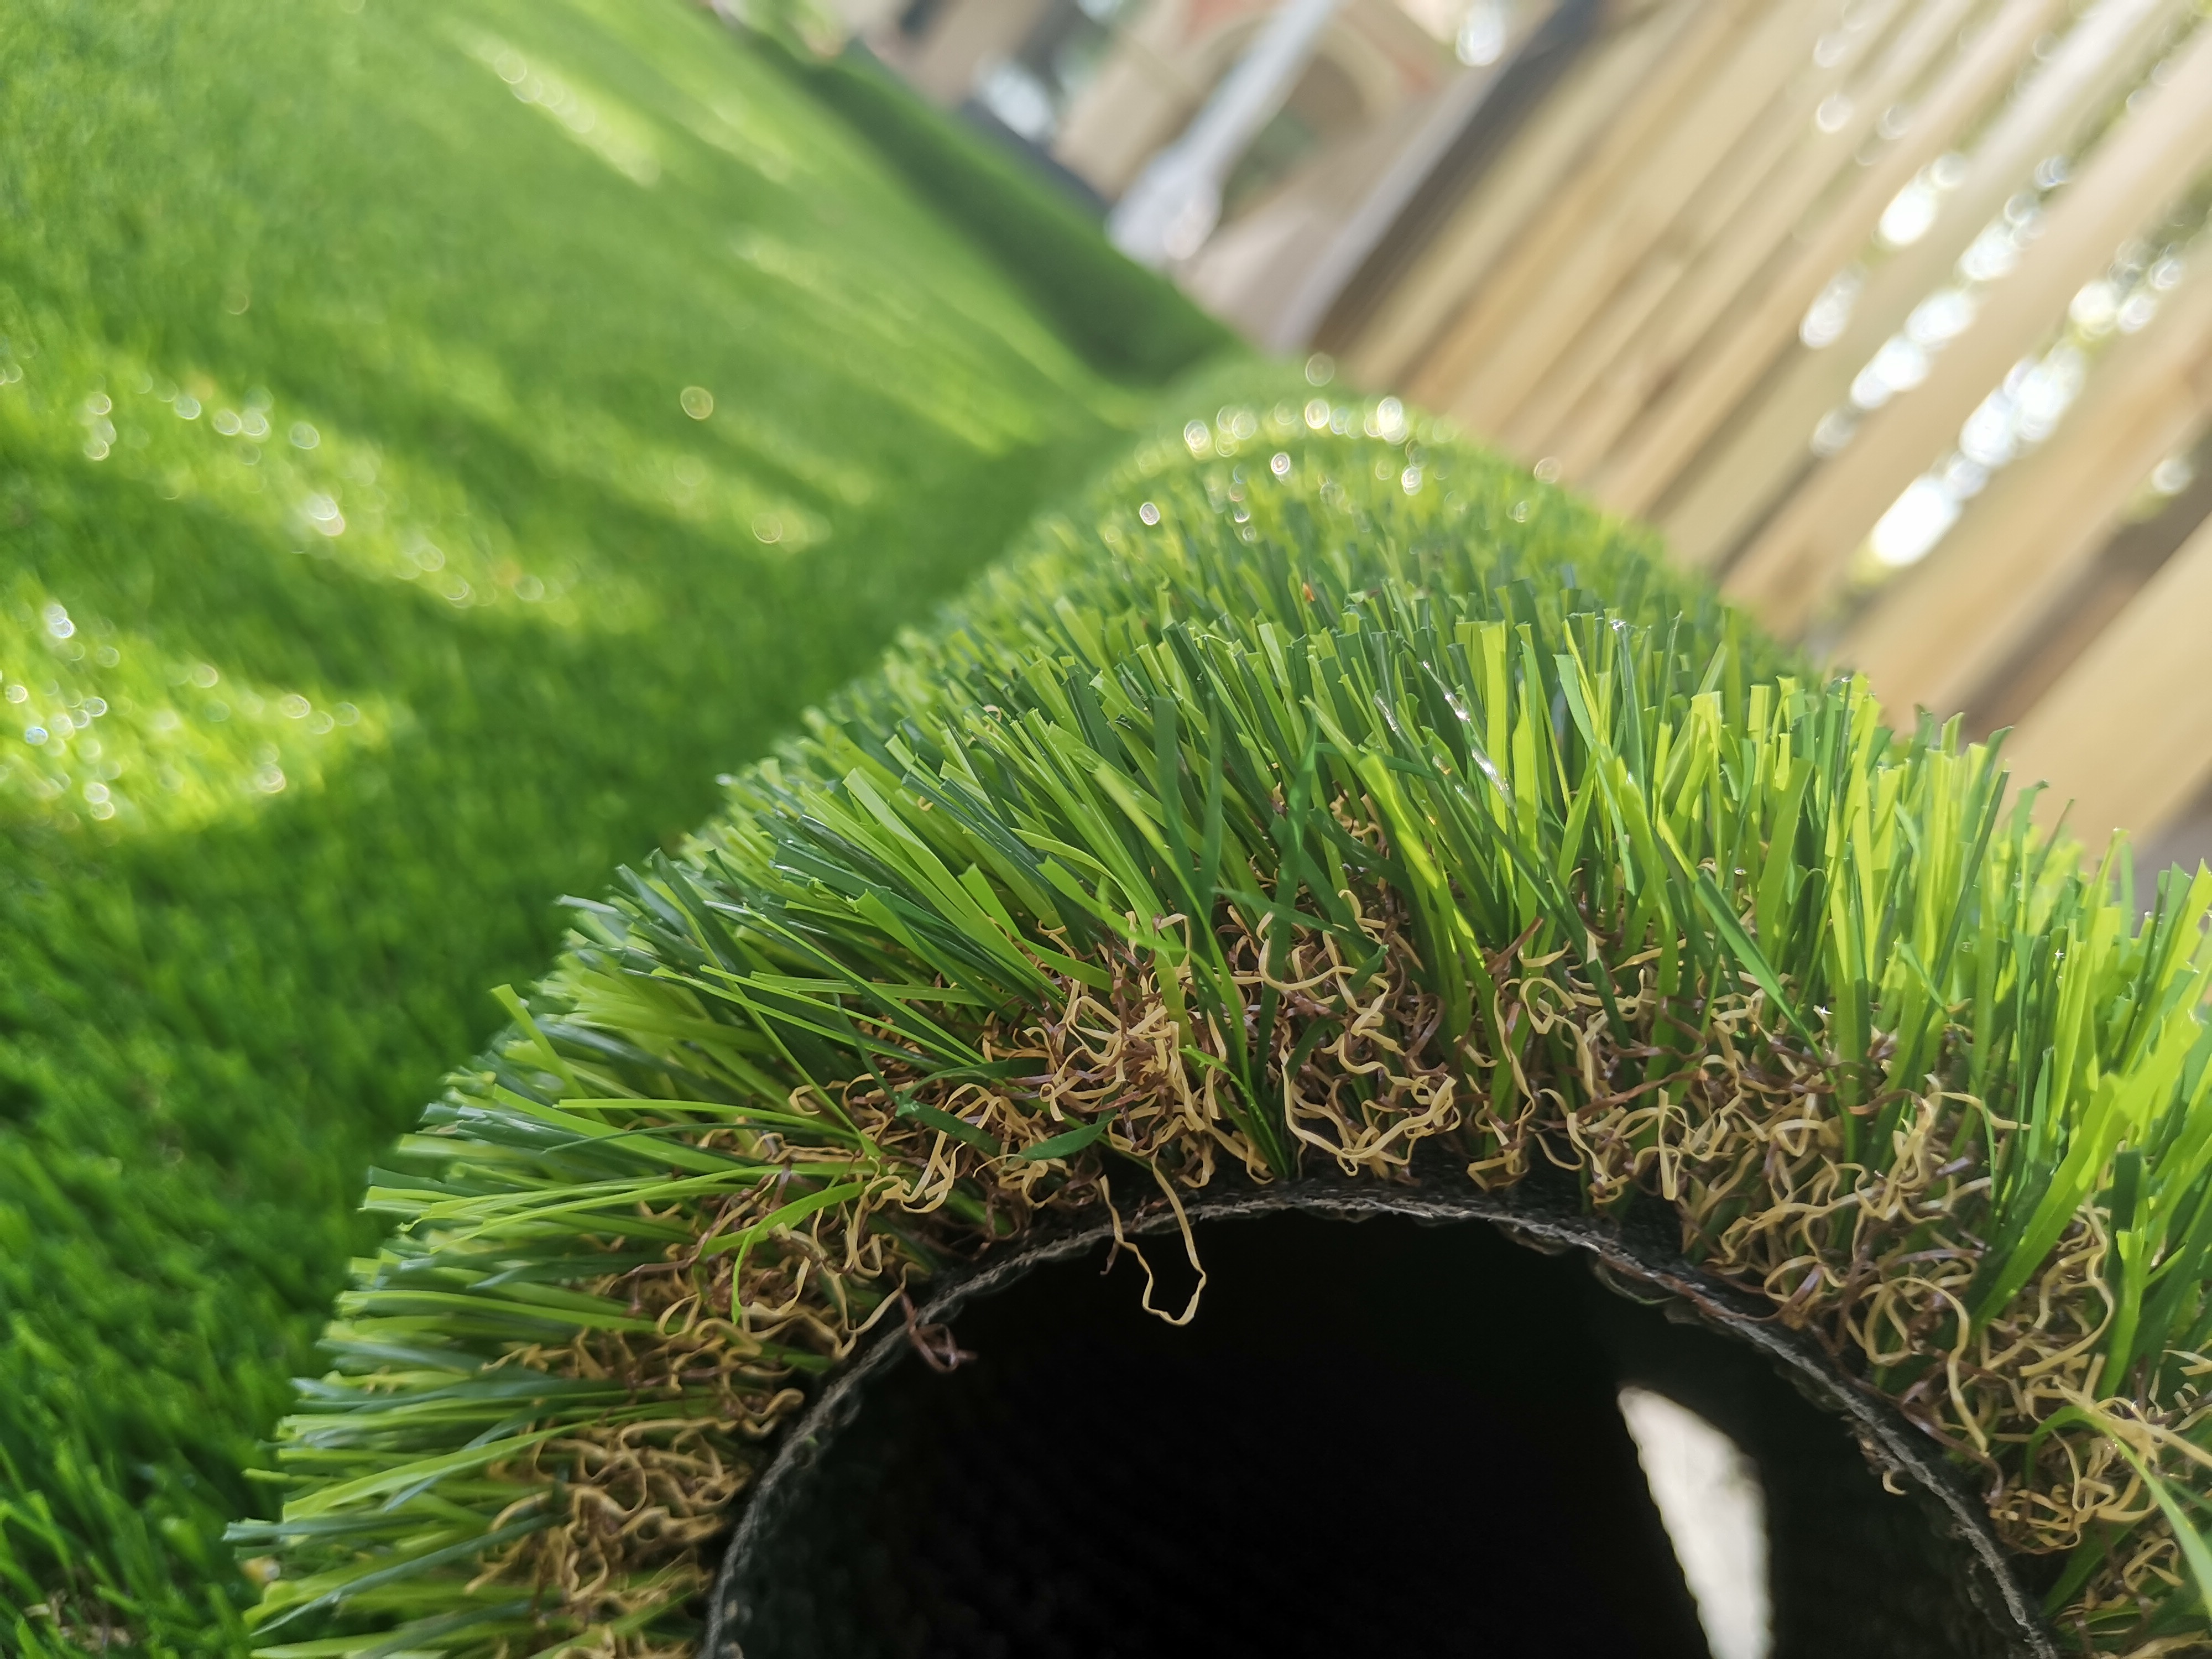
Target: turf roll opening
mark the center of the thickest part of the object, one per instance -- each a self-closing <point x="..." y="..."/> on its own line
<point x="1319" y="814"/>
<point x="1243" y="1492"/>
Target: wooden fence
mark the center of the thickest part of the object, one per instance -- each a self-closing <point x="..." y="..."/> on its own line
<point x="1898" y="316"/>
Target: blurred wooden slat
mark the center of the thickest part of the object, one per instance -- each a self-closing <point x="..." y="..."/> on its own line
<point x="1805" y="164"/>
<point x="1555" y="238"/>
<point x="943" y="67"/>
<point x="2147" y="161"/>
<point x="1671" y="431"/>
<point x="1548" y="317"/>
<point x="1730" y="205"/>
<point x="1556" y="142"/>
<point x="1605" y="338"/>
<point x="1705" y="519"/>
<point x="1934" y="637"/>
<point x="2126" y="733"/>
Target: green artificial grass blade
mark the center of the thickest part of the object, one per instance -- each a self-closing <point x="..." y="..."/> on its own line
<point x="434" y="439"/>
<point x="1314" y="796"/>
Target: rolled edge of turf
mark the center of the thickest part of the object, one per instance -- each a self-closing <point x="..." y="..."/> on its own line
<point x="1362" y="543"/>
<point x="1895" y="1446"/>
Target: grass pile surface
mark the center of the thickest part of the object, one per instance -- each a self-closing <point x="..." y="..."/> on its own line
<point x="434" y="440"/>
<point x="1319" y="796"/>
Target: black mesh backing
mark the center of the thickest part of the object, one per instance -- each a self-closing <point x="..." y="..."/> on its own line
<point x="1376" y="1439"/>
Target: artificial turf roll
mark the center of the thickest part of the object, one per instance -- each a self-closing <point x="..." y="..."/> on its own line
<point x="1320" y="799"/>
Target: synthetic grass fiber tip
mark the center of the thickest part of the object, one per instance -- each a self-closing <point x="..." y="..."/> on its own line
<point x="1317" y="800"/>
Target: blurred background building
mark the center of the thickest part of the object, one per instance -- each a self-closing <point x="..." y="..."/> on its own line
<point x="1894" y="314"/>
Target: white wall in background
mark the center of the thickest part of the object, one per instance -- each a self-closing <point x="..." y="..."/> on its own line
<point x="1709" y="1495"/>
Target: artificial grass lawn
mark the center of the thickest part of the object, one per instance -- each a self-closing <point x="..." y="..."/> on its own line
<point x="1301" y="803"/>
<point x="369" y="577"/>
